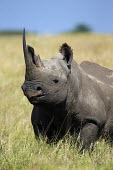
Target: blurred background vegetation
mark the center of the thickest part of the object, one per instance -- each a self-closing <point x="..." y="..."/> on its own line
<point x="79" y="28"/>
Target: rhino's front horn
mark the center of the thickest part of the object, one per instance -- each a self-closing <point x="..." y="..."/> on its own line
<point x="30" y="58"/>
<point x="24" y="44"/>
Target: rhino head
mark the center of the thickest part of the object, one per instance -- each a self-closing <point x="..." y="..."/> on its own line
<point x="46" y="81"/>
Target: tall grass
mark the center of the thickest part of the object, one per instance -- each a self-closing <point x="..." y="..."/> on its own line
<point x="18" y="147"/>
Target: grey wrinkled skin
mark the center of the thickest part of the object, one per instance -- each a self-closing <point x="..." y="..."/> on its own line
<point x="68" y="97"/>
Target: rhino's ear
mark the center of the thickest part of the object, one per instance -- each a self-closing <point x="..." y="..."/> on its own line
<point x="67" y="53"/>
<point x="30" y="51"/>
<point x="36" y="59"/>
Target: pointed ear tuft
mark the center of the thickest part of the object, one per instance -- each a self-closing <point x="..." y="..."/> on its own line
<point x="67" y="52"/>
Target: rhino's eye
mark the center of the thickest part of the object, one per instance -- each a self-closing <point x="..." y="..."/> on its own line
<point x="55" y="81"/>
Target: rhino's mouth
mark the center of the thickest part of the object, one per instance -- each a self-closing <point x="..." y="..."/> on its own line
<point x="35" y="99"/>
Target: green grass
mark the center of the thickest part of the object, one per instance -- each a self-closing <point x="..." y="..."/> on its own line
<point x="18" y="147"/>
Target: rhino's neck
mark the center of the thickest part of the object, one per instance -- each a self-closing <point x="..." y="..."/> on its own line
<point x="57" y="117"/>
<point x="74" y="86"/>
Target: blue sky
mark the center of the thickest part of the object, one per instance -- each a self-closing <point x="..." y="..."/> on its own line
<point x="55" y="16"/>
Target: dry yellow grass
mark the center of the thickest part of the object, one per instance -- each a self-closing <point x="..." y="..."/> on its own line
<point x="18" y="147"/>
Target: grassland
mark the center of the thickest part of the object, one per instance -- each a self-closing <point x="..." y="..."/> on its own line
<point x="18" y="147"/>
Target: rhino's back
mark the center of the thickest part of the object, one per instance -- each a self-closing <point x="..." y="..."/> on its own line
<point x="101" y="73"/>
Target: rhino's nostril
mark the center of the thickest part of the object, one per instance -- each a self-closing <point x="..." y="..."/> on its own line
<point x="39" y="88"/>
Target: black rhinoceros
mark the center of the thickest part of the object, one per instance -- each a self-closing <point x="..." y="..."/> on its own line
<point x="68" y="97"/>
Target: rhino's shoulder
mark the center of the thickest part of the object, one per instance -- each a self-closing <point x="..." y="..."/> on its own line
<point x="101" y="73"/>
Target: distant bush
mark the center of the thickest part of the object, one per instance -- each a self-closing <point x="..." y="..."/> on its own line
<point x="81" y="28"/>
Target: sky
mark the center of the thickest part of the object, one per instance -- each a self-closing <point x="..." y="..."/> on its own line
<point x="56" y="16"/>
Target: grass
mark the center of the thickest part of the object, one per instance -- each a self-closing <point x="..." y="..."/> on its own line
<point x="18" y="147"/>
